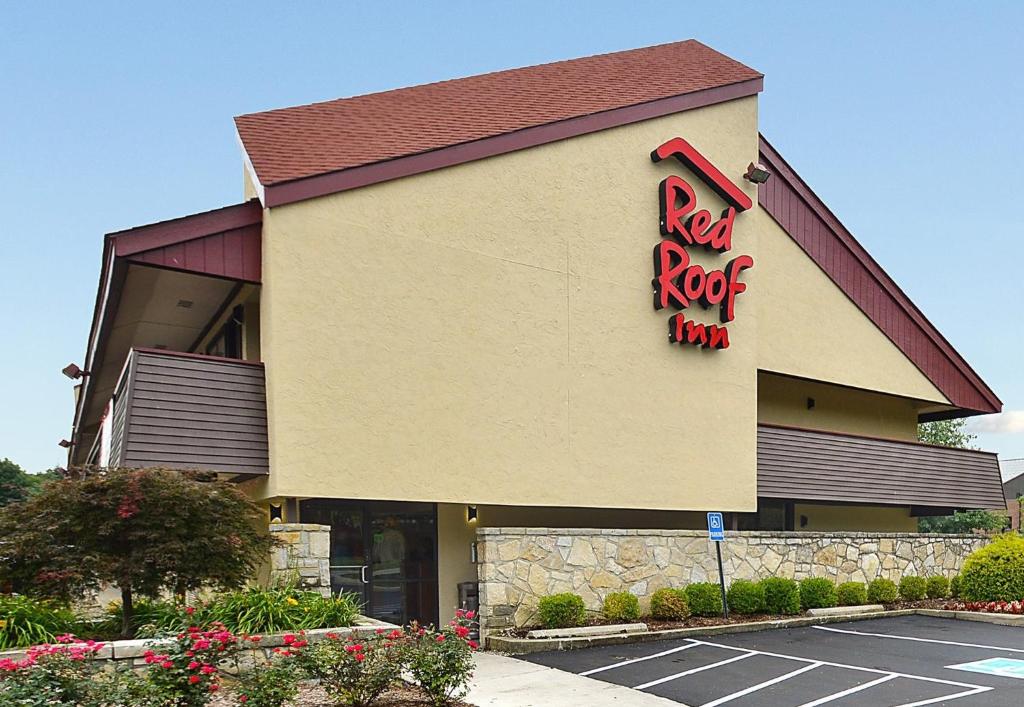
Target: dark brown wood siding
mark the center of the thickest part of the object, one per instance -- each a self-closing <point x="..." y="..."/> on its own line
<point x="810" y="223"/>
<point x="809" y="465"/>
<point x="196" y="412"/>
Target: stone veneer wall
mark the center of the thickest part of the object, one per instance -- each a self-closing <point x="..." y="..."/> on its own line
<point x="305" y="552"/>
<point x="517" y="566"/>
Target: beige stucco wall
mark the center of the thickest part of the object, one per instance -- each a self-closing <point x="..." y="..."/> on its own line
<point x="810" y="328"/>
<point x="783" y="401"/>
<point x="485" y="334"/>
<point x="860" y="518"/>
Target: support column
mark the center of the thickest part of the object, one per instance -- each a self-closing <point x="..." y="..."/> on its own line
<point x="304" y="555"/>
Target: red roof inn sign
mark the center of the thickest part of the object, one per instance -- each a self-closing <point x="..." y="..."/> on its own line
<point x="678" y="282"/>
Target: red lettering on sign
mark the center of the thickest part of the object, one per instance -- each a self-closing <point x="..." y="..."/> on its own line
<point x="708" y="336"/>
<point x="678" y="282"/>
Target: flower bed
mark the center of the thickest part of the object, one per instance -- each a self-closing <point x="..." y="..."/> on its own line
<point x="353" y="667"/>
<point x="990" y="607"/>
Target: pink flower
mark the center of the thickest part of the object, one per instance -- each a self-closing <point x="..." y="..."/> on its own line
<point x="289" y="638"/>
<point x="440" y="638"/>
<point x="470" y="615"/>
<point x="461" y="631"/>
<point x="207" y="669"/>
<point x="214" y="687"/>
<point x="193" y="665"/>
<point x="359" y="657"/>
<point x="243" y="698"/>
<point x="167" y="665"/>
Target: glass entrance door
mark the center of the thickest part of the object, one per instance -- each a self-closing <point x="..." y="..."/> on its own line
<point x="385" y="552"/>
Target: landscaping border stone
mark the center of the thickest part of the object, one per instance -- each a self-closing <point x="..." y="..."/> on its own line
<point x="523" y="646"/>
<point x="134" y="650"/>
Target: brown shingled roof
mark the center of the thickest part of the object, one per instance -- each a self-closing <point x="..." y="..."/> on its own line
<point x="305" y="141"/>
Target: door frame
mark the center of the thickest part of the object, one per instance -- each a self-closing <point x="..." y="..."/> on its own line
<point x="366" y="508"/>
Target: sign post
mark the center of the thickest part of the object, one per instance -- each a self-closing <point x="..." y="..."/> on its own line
<point x="716" y="532"/>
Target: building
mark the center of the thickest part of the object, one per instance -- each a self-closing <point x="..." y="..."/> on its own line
<point x="432" y="312"/>
<point x="1013" y="488"/>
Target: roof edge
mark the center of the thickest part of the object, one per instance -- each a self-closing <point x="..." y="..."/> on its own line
<point x="783" y="170"/>
<point x="289" y="192"/>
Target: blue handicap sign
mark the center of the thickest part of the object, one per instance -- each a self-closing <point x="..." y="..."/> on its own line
<point x="716" y="528"/>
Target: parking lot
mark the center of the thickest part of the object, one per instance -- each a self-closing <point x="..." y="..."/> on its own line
<point x="907" y="661"/>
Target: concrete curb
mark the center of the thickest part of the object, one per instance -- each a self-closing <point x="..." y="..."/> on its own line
<point x="982" y="616"/>
<point x="523" y="646"/>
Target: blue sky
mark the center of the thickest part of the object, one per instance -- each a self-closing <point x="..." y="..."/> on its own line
<point x="906" y="118"/>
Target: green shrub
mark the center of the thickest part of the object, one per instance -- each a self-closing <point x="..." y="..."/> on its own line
<point x="745" y="597"/>
<point x="704" y="598"/>
<point x="817" y="593"/>
<point x="938" y="587"/>
<point x="266" y="610"/>
<point x="954" y="586"/>
<point x="562" y="610"/>
<point x="913" y="588"/>
<point x="669" y="604"/>
<point x="882" y="591"/>
<point x="851" y="594"/>
<point x="995" y="572"/>
<point x="621" y="606"/>
<point x="781" y="596"/>
<point x="25" y="621"/>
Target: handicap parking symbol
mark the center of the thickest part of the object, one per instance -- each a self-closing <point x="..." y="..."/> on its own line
<point x="716" y="529"/>
<point x="1003" y="667"/>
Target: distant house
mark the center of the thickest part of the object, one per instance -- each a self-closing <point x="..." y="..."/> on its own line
<point x="1013" y="487"/>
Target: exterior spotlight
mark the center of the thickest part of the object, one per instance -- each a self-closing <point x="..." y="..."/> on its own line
<point x="64" y="443"/>
<point x="73" y="372"/>
<point x="471" y="514"/>
<point x="757" y="173"/>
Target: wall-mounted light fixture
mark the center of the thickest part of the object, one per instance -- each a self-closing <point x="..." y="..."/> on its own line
<point x="73" y="372"/>
<point x="757" y="173"/>
<point x="810" y="403"/>
<point x="471" y="514"/>
<point x="275" y="513"/>
<point x="64" y="443"/>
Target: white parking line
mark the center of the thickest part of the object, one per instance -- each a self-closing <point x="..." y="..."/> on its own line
<point x="762" y="685"/>
<point x="849" y="667"/>
<point x="919" y="640"/>
<point x="691" y="671"/>
<point x="639" y="660"/>
<point x="852" y="690"/>
<point x="947" y="698"/>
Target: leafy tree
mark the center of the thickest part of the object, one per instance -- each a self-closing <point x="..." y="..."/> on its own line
<point x="16" y="484"/>
<point x="953" y="433"/>
<point x="947" y="433"/>
<point x="147" y="531"/>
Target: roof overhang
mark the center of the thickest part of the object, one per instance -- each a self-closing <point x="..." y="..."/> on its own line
<point x="221" y="247"/>
<point x="809" y="222"/>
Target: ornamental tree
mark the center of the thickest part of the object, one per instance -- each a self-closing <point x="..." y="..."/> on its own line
<point x="146" y="531"/>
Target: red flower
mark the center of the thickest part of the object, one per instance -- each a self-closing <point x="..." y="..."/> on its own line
<point x="440" y="638"/>
<point x="473" y="644"/>
<point x="289" y="638"/>
<point x="207" y="669"/>
<point x="167" y="665"/>
<point x="461" y="631"/>
<point x="359" y="657"/>
<point x="243" y="698"/>
<point x="214" y="687"/>
<point x="190" y="610"/>
<point x="193" y="679"/>
<point x="193" y="665"/>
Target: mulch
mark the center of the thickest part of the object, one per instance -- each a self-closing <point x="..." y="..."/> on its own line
<point x="310" y="695"/>
<point x="705" y="621"/>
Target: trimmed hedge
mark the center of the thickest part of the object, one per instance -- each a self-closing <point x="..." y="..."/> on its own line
<point x="851" y="594"/>
<point x="621" y="606"/>
<point x="817" y="593"/>
<point x="781" y="596"/>
<point x="562" y="610"/>
<point x="745" y="597"/>
<point x="882" y="591"/>
<point x="669" y="604"/>
<point x="938" y="587"/>
<point x="954" y="586"/>
<point x="913" y="588"/>
<point x="704" y="599"/>
<point x="995" y="572"/>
